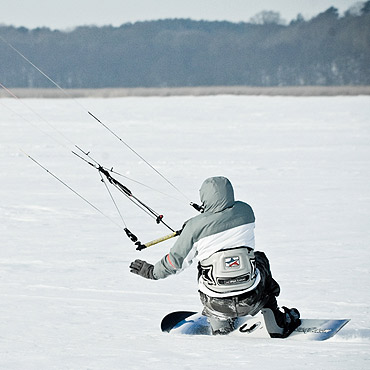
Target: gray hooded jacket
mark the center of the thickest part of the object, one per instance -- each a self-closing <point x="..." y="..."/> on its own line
<point x="225" y="224"/>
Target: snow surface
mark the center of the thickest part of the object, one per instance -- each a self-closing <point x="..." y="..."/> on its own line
<point x="68" y="300"/>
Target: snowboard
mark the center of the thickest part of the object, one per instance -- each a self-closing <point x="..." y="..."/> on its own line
<point x="194" y="323"/>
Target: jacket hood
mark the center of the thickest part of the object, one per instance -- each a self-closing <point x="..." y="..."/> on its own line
<point x="216" y="194"/>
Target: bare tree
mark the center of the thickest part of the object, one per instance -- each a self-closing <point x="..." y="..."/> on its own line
<point x="267" y="17"/>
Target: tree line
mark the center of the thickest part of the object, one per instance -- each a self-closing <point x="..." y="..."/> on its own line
<point x="326" y="50"/>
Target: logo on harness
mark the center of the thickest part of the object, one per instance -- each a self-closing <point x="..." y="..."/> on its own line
<point x="232" y="262"/>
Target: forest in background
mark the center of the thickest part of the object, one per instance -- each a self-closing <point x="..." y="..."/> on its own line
<point x="327" y="50"/>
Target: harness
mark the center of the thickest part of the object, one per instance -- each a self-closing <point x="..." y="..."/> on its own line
<point x="229" y="270"/>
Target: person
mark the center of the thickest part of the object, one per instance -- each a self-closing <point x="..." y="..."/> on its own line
<point x="233" y="279"/>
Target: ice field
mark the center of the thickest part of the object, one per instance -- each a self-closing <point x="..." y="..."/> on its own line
<point x="68" y="300"/>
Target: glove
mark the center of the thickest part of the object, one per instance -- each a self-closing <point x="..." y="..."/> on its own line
<point x="143" y="269"/>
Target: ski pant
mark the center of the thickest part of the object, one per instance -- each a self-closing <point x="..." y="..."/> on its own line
<point x="219" y="310"/>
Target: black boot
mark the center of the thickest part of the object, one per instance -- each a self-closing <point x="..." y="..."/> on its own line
<point x="281" y="324"/>
<point x="292" y="320"/>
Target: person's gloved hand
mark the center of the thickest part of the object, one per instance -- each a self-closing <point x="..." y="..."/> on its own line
<point x="143" y="269"/>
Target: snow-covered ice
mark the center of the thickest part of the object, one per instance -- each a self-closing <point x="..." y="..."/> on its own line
<point x="68" y="300"/>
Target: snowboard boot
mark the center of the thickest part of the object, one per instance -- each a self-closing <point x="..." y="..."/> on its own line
<point x="281" y="324"/>
<point x="221" y="326"/>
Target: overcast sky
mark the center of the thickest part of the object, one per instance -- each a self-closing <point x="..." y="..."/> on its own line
<point x="64" y="14"/>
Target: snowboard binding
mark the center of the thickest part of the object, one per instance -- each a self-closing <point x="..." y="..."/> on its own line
<point x="291" y="321"/>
